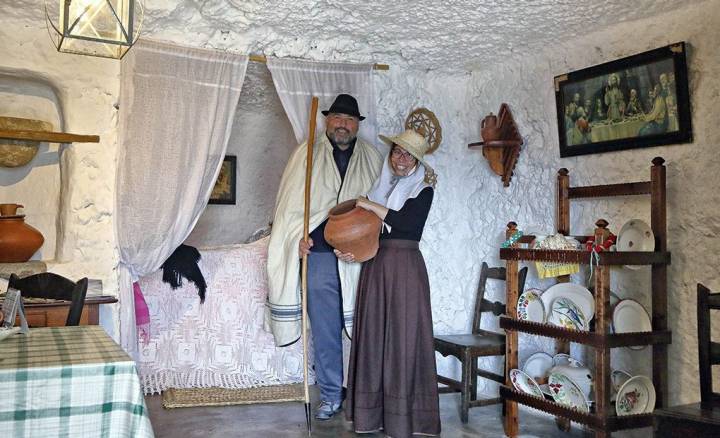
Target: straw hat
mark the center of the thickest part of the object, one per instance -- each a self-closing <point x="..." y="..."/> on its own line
<point x="416" y="145"/>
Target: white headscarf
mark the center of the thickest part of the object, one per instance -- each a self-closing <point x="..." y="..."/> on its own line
<point x="392" y="191"/>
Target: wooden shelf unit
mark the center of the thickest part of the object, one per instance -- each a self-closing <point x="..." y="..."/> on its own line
<point x="604" y="420"/>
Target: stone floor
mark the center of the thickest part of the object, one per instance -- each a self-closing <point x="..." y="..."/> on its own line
<point x="286" y="420"/>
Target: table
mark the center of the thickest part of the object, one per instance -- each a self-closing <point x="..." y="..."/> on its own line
<point x="54" y="313"/>
<point x="69" y="381"/>
<point x="692" y="421"/>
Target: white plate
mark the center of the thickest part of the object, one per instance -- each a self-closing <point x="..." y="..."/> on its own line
<point x="629" y="316"/>
<point x="618" y="379"/>
<point x="538" y="365"/>
<point x="565" y="313"/>
<point x="567" y="393"/>
<point x="530" y="307"/>
<point x="524" y="383"/>
<point x="635" y="235"/>
<point x="636" y="396"/>
<point x="545" y="389"/>
<point x="578" y="294"/>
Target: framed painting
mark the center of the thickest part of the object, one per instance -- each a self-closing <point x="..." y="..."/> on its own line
<point x="224" y="190"/>
<point x="634" y="102"/>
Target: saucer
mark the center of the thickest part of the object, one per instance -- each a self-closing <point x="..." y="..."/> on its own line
<point x="636" y="396"/>
<point x="524" y="383"/>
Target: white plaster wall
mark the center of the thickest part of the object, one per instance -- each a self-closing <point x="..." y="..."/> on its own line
<point x="86" y="89"/>
<point x="262" y="140"/>
<point x="526" y="83"/>
<point x="35" y="185"/>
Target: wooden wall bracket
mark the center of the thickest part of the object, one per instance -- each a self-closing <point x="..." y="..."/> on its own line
<point x="501" y="143"/>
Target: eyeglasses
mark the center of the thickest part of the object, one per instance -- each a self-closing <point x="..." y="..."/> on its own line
<point x="397" y="153"/>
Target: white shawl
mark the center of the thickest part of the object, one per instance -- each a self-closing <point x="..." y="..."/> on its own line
<point x="283" y="311"/>
<point x="392" y="191"/>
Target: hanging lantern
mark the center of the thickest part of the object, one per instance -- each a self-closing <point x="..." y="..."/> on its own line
<point x="105" y="28"/>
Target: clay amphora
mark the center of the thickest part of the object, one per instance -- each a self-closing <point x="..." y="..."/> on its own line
<point x="18" y="240"/>
<point x="489" y="128"/>
<point x="9" y="209"/>
<point x="351" y="229"/>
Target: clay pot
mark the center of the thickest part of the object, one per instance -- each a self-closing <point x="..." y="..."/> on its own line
<point x="351" y="229"/>
<point x="9" y="209"/>
<point x="18" y="240"/>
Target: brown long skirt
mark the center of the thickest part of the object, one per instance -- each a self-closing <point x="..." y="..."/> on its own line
<point x="392" y="380"/>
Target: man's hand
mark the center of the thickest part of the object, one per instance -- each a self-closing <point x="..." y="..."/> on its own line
<point x="347" y="257"/>
<point x="304" y="247"/>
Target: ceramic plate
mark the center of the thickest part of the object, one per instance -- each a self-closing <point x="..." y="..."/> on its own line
<point x="579" y="295"/>
<point x="524" y="383"/>
<point x="629" y="316"/>
<point x="530" y="307"/>
<point x="635" y="235"/>
<point x="565" y="359"/>
<point x="565" y="392"/>
<point x="538" y="365"/>
<point x="636" y="396"/>
<point x="565" y="313"/>
<point x="618" y="379"/>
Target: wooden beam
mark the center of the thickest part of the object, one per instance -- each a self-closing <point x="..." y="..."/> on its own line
<point x="263" y="59"/>
<point x="51" y="137"/>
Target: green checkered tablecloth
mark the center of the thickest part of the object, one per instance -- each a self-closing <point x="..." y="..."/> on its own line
<point x="69" y="382"/>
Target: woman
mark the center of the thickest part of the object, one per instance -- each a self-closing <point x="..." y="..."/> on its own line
<point x="392" y="383"/>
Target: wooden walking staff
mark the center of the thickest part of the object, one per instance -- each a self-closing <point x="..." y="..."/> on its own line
<point x="306" y="232"/>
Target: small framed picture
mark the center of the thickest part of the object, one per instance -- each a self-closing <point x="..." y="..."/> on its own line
<point x="634" y="102"/>
<point x="224" y="190"/>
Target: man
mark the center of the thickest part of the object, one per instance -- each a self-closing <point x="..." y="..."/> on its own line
<point x="344" y="167"/>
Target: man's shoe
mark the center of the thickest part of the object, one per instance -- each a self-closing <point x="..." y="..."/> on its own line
<point x="327" y="409"/>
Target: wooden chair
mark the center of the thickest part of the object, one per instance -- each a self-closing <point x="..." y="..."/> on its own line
<point x="480" y="343"/>
<point x="54" y="286"/>
<point x="709" y="351"/>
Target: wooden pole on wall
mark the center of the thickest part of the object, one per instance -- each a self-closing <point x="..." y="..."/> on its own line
<point x="306" y="233"/>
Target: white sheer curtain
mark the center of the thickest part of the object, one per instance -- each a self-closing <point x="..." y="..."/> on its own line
<point x="296" y="81"/>
<point x="176" y="111"/>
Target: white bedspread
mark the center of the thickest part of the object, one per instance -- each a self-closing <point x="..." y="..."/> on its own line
<point x="220" y="343"/>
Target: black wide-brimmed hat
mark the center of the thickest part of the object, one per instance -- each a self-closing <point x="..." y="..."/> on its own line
<point x="345" y="104"/>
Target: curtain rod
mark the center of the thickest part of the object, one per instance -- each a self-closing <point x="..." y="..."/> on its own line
<point x="263" y="59"/>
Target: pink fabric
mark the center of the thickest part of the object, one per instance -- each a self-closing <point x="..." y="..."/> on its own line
<point x="142" y="315"/>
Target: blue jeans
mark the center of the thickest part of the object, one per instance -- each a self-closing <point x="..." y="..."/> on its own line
<point x="326" y="322"/>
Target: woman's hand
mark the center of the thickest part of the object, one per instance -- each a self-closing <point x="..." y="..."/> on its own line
<point x="347" y="257"/>
<point x="366" y="204"/>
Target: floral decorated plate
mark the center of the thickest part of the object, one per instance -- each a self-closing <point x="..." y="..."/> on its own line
<point x="636" y="396"/>
<point x="524" y="383"/>
<point x="565" y="392"/>
<point x="629" y="316"/>
<point x="530" y="307"/>
<point x="635" y="235"/>
<point x="565" y="313"/>
<point x="579" y="295"/>
<point x="538" y="365"/>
